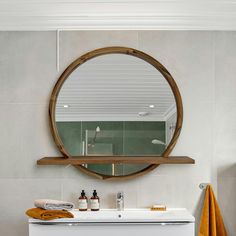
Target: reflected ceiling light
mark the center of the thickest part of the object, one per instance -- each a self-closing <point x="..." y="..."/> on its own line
<point x="151" y="106"/>
<point x="65" y="106"/>
<point x="143" y="113"/>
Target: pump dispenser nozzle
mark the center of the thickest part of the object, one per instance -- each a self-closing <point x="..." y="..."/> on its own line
<point x="95" y="193"/>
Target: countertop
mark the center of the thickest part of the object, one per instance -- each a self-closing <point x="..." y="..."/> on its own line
<point x="126" y="216"/>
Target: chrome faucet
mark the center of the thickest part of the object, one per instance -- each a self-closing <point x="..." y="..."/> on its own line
<point x="120" y="201"/>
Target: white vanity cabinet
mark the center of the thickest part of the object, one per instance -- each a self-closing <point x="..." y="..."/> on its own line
<point x="173" y="222"/>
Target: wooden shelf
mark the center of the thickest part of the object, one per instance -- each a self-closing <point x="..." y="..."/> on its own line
<point x="115" y="160"/>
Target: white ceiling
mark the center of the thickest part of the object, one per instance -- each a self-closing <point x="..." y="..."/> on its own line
<point x="117" y="14"/>
<point x="115" y="87"/>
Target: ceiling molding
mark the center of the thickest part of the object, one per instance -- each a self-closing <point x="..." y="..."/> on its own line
<point x="118" y="15"/>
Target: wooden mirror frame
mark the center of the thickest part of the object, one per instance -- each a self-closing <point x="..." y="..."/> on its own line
<point x="115" y="50"/>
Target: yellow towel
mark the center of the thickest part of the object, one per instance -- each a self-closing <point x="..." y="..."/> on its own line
<point x="211" y="223"/>
<point x="42" y="214"/>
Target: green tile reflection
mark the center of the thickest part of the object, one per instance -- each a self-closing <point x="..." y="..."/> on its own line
<point x="132" y="168"/>
<point x="130" y="138"/>
<point x="138" y="137"/>
<point x="105" y="169"/>
<point x="70" y="134"/>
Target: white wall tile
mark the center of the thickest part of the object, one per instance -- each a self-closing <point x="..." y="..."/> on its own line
<point x="227" y="196"/>
<point x="28" y="66"/>
<point x="26" y="138"/>
<point x="225" y="69"/>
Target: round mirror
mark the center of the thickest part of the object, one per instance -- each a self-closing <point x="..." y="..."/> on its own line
<point x="121" y="102"/>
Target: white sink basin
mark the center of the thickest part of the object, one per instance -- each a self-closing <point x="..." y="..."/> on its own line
<point x="128" y="215"/>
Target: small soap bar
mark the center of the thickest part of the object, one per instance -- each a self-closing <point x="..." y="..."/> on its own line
<point x="158" y="208"/>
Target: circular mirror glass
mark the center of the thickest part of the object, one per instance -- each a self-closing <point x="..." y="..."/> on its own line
<point x="115" y="105"/>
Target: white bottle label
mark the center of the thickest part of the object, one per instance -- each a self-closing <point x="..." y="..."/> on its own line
<point x="94" y="204"/>
<point x="83" y="204"/>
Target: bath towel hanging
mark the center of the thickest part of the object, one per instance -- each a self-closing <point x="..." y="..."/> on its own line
<point x="211" y="223"/>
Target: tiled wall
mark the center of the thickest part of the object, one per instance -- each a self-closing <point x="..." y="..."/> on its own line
<point x="203" y="65"/>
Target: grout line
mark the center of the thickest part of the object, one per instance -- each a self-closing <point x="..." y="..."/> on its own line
<point x="62" y="192"/>
<point x="138" y="39"/>
<point x="58" y="50"/>
<point x="213" y="164"/>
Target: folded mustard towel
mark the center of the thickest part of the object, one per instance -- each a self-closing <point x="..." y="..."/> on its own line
<point x="42" y="214"/>
<point x="49" y="204"/>
<point x="211" y="223"/>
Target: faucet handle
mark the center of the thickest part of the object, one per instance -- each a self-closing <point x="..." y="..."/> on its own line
<point x="120" y="201"/>
<point x="120" y="195"/>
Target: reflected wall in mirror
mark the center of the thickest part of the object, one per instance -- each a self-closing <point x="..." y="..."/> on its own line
<point x="121" y="102"/>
